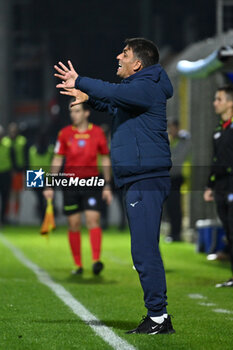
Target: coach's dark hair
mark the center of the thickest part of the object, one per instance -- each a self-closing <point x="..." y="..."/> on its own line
<point x="85" y="105"/>
<point x="228" y="89"/>
<point x="145" y="50"/>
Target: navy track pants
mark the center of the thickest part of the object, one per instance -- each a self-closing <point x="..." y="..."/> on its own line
<point x="144" y="203"/>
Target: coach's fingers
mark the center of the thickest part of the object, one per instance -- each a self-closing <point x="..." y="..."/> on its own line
<point x="73" y="90"/>
<point x="66" y="69"/>
<point x="71" y="66"/>
<point x="59" y="70"/>
<point x="62" y="85"/>
<point x="59" y="76"/>
<point x="75" y="103"/>
<point x="69" y="93"/>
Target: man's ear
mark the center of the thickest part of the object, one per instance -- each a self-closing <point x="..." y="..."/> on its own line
<point x="137" y="66"/>
<point x="230" y="103"/>
<point x="87" y="113"/>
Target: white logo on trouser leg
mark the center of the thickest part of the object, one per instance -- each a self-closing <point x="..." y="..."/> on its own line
<point x="133" y="204"/>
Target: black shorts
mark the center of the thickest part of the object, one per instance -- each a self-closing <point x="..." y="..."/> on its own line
<point x="77" y="200"/>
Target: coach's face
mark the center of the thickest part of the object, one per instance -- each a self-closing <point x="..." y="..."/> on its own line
<point x="78" y="115"/>
<point x="221" y="103"/>
<point x="128" y="64"/>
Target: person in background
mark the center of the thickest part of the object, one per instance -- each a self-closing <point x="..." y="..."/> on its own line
<point x="180" y="149"/>
<point x="20" y="149"/>
<point x="220" y="182"/>
<point x="78" y="146"/>
<point x="7" y="164"/>
<point x="40" y="156"/>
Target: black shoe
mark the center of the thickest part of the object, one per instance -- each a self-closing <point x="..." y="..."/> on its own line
<point x="225" y="284"/>
<point x="79" y="271"/>
<point x="97" y="267"/>
<point x="169" y="324"/>
<point x="147" y="326"/>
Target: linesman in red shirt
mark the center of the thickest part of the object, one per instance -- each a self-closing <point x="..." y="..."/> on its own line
<point x="77" y="147"/>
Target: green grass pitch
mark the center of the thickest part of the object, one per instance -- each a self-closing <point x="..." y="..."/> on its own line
<point x="33" y="318"/>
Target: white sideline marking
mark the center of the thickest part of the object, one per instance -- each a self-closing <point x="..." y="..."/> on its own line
<point x="78" y="309"/>
<point x="196" y="296"/>
<point x="207" y="304"/>
<point x="200" y="296"/>
<point x="223" y="311"/>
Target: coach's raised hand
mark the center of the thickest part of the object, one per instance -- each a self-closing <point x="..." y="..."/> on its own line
<point x="67" y="75"/>
<point x="80" y="96"/>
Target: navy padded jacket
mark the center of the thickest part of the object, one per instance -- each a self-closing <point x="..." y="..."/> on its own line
<point x="139" y="143"/>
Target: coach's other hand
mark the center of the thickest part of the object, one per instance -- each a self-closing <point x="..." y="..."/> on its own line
<point x="48" y="193"/>
<point x="107" y="194"/>
<point x="80" y="96"/>
<point x="67" y="75"/>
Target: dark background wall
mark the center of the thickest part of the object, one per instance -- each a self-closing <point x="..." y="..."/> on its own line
<point x="90" y="33"/>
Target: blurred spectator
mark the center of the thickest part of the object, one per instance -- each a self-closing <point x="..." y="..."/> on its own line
<point x="6" y="168"/>
<point x="20" y="149"/>
<point x="220" y="183"/>
<point x="180" y="148"/>
<point x="77" y="147"/>
<point x="40" y="156"/>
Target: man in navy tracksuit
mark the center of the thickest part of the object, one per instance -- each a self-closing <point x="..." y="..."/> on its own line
<point x="140" y="157"/>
